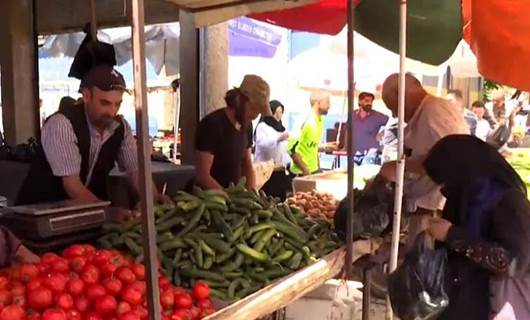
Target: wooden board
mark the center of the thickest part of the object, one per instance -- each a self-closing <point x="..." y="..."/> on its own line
<point x="292" y="287"/>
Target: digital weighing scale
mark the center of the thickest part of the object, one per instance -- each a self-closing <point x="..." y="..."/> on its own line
<point x="49" y="220"/>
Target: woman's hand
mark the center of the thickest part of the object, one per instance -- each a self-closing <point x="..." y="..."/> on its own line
<point x="284" y="136"/>
<point x="438" y="228"/>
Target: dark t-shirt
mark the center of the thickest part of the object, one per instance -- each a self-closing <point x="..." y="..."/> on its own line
<point x="218" y="136"/>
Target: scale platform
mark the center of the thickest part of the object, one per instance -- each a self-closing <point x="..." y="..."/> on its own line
<point x="46" y="220"/>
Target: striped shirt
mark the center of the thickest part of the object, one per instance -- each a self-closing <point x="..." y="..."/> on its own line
<point x="60" y="147"/>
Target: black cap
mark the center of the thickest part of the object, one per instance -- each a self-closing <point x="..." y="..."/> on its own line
<point x="105" y="78"/>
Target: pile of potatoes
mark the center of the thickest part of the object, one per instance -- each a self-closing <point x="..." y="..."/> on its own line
<point x="317" y="205"/>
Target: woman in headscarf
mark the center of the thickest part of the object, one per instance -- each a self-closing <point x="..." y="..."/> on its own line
<point x="271" y="144"/>
<point x="485" y="225"/>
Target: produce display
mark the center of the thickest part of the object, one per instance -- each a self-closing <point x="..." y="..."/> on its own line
<point x="237" y="241"/>
<point x="85" y="283"/>
<point x="520" y="161"/>
<point x="315" y="204"/>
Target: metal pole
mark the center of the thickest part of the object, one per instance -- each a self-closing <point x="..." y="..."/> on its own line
<point x="396" y="228"/>
<point x="367" y="291"/>
<point x="93" y="21"/>
<point x="144" y="160"/>
<point x="351" y="89"/>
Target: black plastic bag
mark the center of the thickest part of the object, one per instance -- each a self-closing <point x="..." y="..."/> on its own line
<point x="416" y="288"/>
<point x="373" y="208"/>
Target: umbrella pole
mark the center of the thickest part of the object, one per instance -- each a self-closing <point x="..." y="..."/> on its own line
<point x="144" y="160"/>
<point x="396" y="228"/>
<point x="93" y="21"/>
<point x="349" y="223"/>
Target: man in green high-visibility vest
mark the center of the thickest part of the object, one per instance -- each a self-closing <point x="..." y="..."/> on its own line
<point x="305" y="148"/>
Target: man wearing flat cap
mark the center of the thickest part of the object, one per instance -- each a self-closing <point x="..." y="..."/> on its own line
<point x="81" y="143"/>
<point x="224" y="137"/>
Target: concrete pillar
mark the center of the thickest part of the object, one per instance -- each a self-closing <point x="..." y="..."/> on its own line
<point x="214" y="79"/>
<point x="189" y="86"/>
<point x="20" y="112"/>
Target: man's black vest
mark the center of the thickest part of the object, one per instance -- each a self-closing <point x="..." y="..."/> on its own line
<point x="42" y="186"/>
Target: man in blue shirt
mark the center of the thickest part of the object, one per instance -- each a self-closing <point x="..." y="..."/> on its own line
<point x="367" y="127"/>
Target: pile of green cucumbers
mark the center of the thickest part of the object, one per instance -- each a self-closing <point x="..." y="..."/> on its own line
<point x="236" y="240"/>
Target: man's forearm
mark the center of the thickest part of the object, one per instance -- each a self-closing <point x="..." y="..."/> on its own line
<point x="248" y="171"/>
<point x="207" y="182"/>
<point x="77" y="191"/>
<point x="300" y="163"/>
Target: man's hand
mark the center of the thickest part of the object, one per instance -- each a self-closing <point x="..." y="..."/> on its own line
<point x="330" y="147"/>
<point x="388" y="171"/>
<point x="162" y="199"/>
<point x="438" y="228"/>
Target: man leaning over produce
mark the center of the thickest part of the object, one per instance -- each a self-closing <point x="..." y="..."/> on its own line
<point x="81" y="144"/>
<point x="224" y="137"/>
<point x="428" y="119"/>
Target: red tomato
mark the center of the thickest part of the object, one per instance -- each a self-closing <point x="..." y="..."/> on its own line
<point x="179" y="290"/>
<point x="118" y="259"/>
<point x="78" y="263"/>
<point x="33" y="284"/>
<point x="28" y="271"/>
<point x="3" y="282"/>
<point x="183" y="301"/>
<point x="54" y="314"/>
<point x="204" y="304"/>
<point x="140" y="285"/>
<point x="95" y="291"/>
<point x="32" y="315"/>
<point x="56" y="282"/>
<point x="108" y="269"/>
<point x="142" y="312"/>
<point x="5" y="297"/>
<point x="19" y="300"/>
<point x="106" y="306"/>
<point x="75" y="287"/>
<point x="82" y="304"/>
<point x="201" y="291"/>
<point x="93" y="316"/>
<point x="89" y="250"/>
<point x="139" y="271"/>
<point x="207" y="312"/>
<point x="64" y="301"/>
<point x="17" y="289"/>
<point x="73" y="315"/>
<point x="122" y="308"/>
<point x="132" y="295"/>
<point x="167" y="299"/>
<point x="164" y="283"/>
<point x="181" y="314"/>
<point x="90" y="274"/>
<point x="43" y="268"/>
<point x="113" y="286"/>
<point x="101" y="257"/>
<point x="125" y="275"/>
<point x="131" y="315"/>
<point x="49" y="257"/>
<point x="75" y="250"/>
<point x="195" y="313"/>
<point x="40" y="298"/>
<point x="12" y="312"/>
<point x="60" y="265"/>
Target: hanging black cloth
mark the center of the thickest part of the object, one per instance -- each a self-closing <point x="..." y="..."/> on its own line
<point x="90" y="54"/>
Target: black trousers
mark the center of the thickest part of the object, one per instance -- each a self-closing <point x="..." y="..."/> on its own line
<point x="278" y="185"/>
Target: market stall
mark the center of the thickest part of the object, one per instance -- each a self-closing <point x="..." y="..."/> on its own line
<point x="299" y="280"/>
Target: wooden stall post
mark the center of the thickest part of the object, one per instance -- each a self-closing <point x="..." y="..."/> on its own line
<point x="145" y="180"/>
